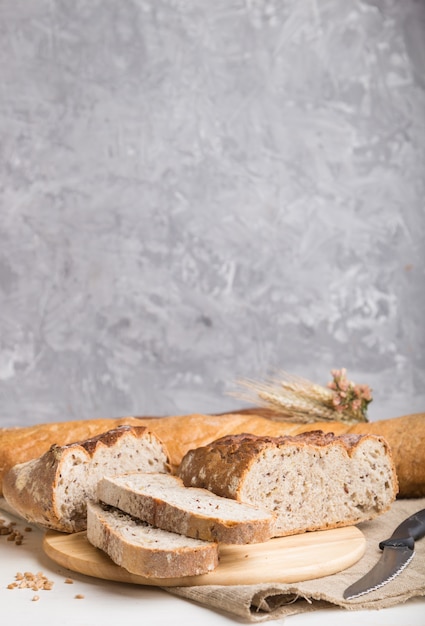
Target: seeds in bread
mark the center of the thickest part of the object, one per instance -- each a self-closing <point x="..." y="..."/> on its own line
<point x="52" y="491"/>
<point x="163" y="501"/>
<point x="313" y="481"/>
<point x="144" y="550"/>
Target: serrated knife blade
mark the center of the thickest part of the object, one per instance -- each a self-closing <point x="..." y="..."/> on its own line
<point x="397" y="552"/>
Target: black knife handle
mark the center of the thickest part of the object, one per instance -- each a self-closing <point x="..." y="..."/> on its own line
<point x="411" y="529"/>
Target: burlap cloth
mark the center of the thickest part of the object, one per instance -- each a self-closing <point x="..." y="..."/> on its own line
<point x="267" y="601"/>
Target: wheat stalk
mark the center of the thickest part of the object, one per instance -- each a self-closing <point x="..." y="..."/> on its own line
<point x="294" y="398"/>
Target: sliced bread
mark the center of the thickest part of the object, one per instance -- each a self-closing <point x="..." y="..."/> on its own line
<point x="312" y="481"/>
<point x="52" y="490"/>
<point x="144" y="550"/>
<point x="163" y="501"/>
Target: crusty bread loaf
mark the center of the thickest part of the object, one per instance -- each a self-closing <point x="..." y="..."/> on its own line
<point x="313" y="481"/>
<point x="405" y="435"/>
<point x="163" y="501"/>
<point x="52" y="490"/>
<point x="21" y="444"/>
<point x="144" y="550"/>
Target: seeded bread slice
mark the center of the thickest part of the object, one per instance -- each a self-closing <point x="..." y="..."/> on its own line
<point x="52" y="490"/>
<point x="313" y="481"/>
<point x="163" y="501"/>
<point x="144" y="550"/>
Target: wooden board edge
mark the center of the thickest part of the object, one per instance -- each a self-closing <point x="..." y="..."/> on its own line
<point x="75" y="553"/>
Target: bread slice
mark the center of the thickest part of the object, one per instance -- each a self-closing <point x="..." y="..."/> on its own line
<point x="163" y="501"/>
<point x="144" y="550"/>
<point x="52" y="490"/>
<point x="313" y="481"/>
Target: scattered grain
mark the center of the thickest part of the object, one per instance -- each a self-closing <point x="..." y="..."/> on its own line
<point x="28" y="580"/>
<point x="7" y="528"/>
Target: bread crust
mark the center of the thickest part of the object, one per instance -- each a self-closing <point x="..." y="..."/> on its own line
<point x="31" y="488"/>
<point x="405" y="436"/>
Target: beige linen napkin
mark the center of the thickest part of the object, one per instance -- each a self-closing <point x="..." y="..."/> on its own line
<point x="267" y="601"/>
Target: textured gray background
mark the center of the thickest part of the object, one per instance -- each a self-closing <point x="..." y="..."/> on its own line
<point x="198" y="191"/>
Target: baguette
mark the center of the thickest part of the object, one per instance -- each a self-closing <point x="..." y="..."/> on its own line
<point x="163" y="501"/>
<point x="52" y="490"/>
<point x="144" y="550"/>
<point x="312" y="481"/>
<point x="405" y="435"/>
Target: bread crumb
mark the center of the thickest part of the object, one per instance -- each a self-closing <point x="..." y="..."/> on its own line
<point x="69" y="581"/>
<point x="79" y="596"/>
<point x="35" y="598"/>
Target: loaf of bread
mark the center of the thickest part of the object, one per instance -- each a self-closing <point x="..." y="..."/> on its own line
<point x="163" y="501"/>
<point x="53" y="489"/>
<point x="405" y="435"/>
<point x="21" y="444"/>
<point x="312" y="481"/>
<point x="144" y="550"/>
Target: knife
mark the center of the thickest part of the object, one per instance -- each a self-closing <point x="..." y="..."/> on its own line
<point x="397" y="552"/>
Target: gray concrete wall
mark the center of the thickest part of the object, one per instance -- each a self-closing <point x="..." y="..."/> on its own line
<point x="195" y="191"/>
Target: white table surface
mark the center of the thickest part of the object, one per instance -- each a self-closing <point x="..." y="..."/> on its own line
<point x="112" y="604"/>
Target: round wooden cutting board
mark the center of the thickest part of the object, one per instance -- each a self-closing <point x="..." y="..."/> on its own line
<point x="284" y="559"/>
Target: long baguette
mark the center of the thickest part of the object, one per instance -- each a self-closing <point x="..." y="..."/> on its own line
<point x="405" y="435"/>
